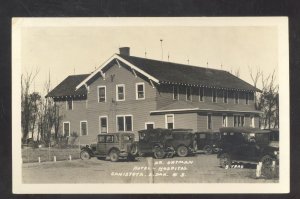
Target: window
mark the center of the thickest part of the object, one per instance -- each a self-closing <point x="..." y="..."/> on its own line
<point x="214" y="95"/>
<point x="101" y="93"/>
<point x="242" y="120"/>
<point x="201" y="94"/>
<point x="83" y="128"/>
<point x="225" y="96"/>
<point x="224" y="120"/>
<point x="101" y="139"/>
<point x="103" y="124"/>
<point x="124" y="123"/>
<point x="120" y="92"/>
<point x="188" y="93"/>
<point x="175" y="93"/>
<point x="149" y="125"/>
<point x="247" y="98"/>
<point x="238" y="120"/>
<point x="209" y="122"/>
<point x="109" y="139"/>
<point x="252" y="121"/>
<point x="69" y="104"/>
<point x="236" y="97"/>
<point x="140" y="91"/>
<point x="169" y="121"/>
<point x="202" y="136"/>
<point x="66" y="128"/>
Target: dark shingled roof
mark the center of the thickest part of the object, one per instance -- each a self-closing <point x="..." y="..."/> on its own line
<point x="187" y="74"/>
<point x="68" y="87"/>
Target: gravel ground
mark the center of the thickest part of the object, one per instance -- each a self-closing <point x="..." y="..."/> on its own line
<point x="196" y="169"/>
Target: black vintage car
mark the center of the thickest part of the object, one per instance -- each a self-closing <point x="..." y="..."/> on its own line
<point x="247" y="145"/>
<point x="208" y="141"/>
<point x="167" y="142"/>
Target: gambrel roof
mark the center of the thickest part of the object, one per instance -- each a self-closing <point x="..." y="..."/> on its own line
<point x="159" y="72"/>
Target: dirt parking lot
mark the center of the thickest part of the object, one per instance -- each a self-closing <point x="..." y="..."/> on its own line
<point x="195" y="169"/>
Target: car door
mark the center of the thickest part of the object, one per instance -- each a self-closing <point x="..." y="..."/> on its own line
<point x="201" y="139"/>
<point x="111" y="141"/>
<point x="101" y="145"/>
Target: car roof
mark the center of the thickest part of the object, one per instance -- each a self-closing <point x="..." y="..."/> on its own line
<point x="208" y="131"/>
<point x="243" y="130"/>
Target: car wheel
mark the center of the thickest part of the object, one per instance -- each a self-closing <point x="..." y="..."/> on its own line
<point x="159" y="153"/>
<point x="114" y="155"/>
<point x="207" y="149"/>
<point x="266" y="169"/>
<point x="182" y="151"/>
<point x="225" y="160"/>
<point x="84" y="155"/>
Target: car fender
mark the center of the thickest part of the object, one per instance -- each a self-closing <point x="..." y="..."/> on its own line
<point x="88" y="149"/>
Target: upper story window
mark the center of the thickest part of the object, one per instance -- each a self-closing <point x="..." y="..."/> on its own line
<point x="189" y="93"/>
<point x="120" y="92"/>
<point x="83" y="128"/>
<point x="101" y="93"/>
<point x="214" y="95"/>
<point x="69" y="104"/>
<point x="201" y="94"/>
<point x="236" y="97"/>
<point x="247" y="97"/>
<point x="140" y="91"/>
<point x="225" y="96"/>
<point x="175" y="93"/>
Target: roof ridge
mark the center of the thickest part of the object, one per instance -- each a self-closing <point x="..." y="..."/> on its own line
<point x="183" y="65"/>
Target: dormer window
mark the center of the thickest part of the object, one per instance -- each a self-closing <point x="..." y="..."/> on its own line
<point x="225" y="96"/>
<point x="69" y="104"/>
<point x="201" y="94"/>
<point x="247" y="97"/>
<point x="175" y="93"/>
<point x="214" y="95"/>
<point x="188" y="94"/>
<point x="236" y="97"/>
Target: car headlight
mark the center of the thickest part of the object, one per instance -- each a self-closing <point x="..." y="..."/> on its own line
<point x="276" y="152"/>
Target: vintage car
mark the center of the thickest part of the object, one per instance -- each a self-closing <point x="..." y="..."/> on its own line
<point x="183" y="141"/>
<point x="248" y="145"/>
<point x="166" y="142"/>
<point x="114" y="145"/>
<point x="208" y="141"/>
<point x="154" y="141"/>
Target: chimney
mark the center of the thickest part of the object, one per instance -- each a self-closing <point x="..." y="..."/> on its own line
<point x="125" y="51"/>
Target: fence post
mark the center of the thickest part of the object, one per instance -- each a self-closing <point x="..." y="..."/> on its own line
<point x="39" y="159"/>
<point x="54" y="158"/>
<point x="150" y="169"/>
<point x="49" y="159"/>
<point x="258" y="169"/>
<point x="70" y="157"/>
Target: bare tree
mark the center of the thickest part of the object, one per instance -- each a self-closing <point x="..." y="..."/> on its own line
<point x="26" y="103"/>
<point x="255" y="77"/>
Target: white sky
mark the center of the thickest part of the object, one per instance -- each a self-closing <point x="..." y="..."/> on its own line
<point x="63" y="50"/>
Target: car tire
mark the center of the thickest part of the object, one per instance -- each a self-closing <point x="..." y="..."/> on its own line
<point x="84" y="155"/>
<point x="134" y="149"/>
<point x="225" y="160"/>
<point x="182" y="151"/>
<point x="159" y="152"/>
<point x="266" y="169"/>
<point x="114" y="155"/>
<point x="207" y="149"/>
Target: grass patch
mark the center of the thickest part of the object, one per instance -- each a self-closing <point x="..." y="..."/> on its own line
<point x="47" y="154"/>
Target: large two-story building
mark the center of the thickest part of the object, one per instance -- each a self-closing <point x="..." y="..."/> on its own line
<point x="127" y="94"/>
